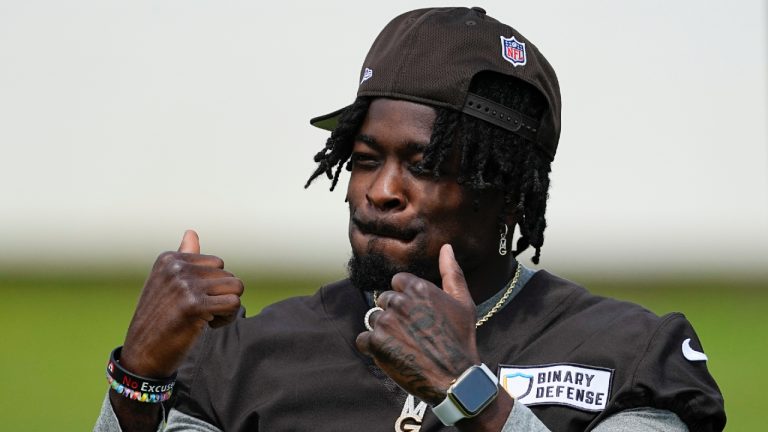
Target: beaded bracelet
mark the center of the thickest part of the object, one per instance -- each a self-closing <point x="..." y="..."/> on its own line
<point x="137" y="387"/>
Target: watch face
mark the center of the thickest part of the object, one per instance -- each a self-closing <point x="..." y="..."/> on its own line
<point x="474" y="391"/>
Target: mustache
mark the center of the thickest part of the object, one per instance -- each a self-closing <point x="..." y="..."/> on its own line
<point x="384" y="228"/>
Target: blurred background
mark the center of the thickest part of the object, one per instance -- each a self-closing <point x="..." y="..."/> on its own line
<point x="124" y="123"/>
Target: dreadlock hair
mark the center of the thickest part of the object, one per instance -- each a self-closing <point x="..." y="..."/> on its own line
<point x="490" y="157"/>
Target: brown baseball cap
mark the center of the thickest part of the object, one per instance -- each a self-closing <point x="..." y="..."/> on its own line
<point x="430" y="56"/>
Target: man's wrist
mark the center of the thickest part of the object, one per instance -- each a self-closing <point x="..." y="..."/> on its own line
<point x="493" y="418"/>
<point x="137" y="387"/>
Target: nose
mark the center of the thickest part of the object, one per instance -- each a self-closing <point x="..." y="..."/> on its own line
<point x="387" y="191"/>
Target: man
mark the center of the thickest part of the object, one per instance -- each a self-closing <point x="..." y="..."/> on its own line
<point x="449" y="145"/>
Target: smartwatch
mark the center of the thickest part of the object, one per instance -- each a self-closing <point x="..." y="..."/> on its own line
<point x="474" y="390"/>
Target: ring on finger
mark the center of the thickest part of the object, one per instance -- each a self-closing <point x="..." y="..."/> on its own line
<point x="367" y="319"/>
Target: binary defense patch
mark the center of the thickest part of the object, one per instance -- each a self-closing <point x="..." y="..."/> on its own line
<point x="578" y="386"/>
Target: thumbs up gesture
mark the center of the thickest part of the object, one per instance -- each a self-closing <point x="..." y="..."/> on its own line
<point x="425" y="336"/>
<point x="184" y="292"/>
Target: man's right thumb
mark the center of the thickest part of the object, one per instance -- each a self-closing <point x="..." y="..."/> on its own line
<point x="190" y="243"/>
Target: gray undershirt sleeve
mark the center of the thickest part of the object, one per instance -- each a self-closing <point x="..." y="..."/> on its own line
<point x="642" y="419"/>
<point x="646" y="419"/>
<point x="107" y="421"/>
<point x="177" y="421"/>
<point x="523" y="419"/>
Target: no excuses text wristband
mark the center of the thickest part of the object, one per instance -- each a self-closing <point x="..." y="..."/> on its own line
<point x="136" y="387"/>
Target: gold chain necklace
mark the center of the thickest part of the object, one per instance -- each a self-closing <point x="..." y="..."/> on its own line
<point x="495" y="308"/>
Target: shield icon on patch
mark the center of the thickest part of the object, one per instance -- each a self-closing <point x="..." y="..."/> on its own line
<point x="518" y="384"/>
<point x="513" y="51"/>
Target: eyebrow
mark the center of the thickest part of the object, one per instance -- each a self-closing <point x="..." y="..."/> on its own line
<point x="369" y="140"/>
<point x="410" y="146"/>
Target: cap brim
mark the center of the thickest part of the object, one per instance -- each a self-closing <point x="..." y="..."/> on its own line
<point x="328" y="121"/>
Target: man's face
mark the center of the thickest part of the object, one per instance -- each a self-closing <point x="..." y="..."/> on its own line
<point x="399" y="218"/>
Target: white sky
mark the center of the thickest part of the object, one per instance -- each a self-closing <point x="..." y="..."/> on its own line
<point x="123" y="123"/>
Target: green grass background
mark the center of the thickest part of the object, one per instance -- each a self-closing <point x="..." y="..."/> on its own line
<point x="59" y="329"/>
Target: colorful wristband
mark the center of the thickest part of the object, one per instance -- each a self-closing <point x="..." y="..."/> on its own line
<point x="137" y="387"/>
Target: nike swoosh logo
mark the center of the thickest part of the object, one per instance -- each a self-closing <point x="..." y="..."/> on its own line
<point x="691" y="354"/>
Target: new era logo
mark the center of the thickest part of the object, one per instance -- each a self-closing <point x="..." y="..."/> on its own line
<point x="367" y="74"/>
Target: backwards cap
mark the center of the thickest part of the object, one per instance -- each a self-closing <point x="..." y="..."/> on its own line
<point x="430" y="56"/>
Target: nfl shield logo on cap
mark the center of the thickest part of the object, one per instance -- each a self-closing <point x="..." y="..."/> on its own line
<point x="513" y="51"/>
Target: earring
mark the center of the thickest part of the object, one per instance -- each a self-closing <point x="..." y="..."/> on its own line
<point x="503" y="241"/>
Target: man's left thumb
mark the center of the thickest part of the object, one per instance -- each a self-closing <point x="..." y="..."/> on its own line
<point x="453" y="277"/>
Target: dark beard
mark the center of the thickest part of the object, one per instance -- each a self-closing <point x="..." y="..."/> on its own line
<point x="373" y="271"/>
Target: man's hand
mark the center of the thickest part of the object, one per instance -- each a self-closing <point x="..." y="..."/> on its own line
<point x="184" y="292"/>
<point x="425" y="337"/>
